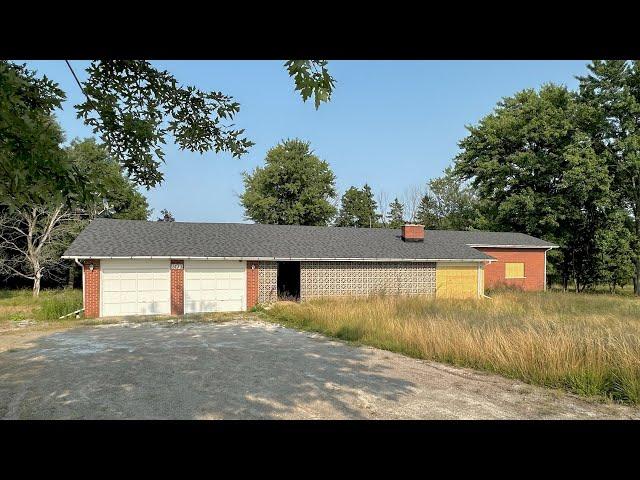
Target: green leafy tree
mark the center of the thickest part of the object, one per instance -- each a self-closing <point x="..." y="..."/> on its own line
<point x="311" y="78"/>
<point x="34" y="235"/>
<point x="612" y="91"/>
<point x="38" y="182"/>
<point x="395" y="218"/>
<point x="294" y="187"/>
<point x="135" y="107"/>
<point x="448" y="204"/>
<point x="166" y="216"/>
<point x="587" y="207"/>
<point x="33" y="165"/>
<point x="537" y="173"/>
<point x="615" y="252"/>
<point x="426" y="215"/>
<point x="118" y="196"/>
<point x="358" y="208"/>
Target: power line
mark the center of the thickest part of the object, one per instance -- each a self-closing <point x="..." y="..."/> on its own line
<point x="76" y="77"/>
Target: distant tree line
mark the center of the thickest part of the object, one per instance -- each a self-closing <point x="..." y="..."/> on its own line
<point x="557" y="164"/>
<point x="295" y="187"/>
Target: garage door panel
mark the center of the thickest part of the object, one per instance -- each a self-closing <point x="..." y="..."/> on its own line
<point x="192" y="295"/>
<point x="126" y="308"/>
<point x="128" y="284"/>
<point x="135" y="287"/>
<point x="147" y="296"/>
<point x="161" y="284"/>
<point x="154" y="308"/>
<point x="145" y="284"/>
<point x="127" y="275"/>
<point x="111" y="285"/>
<point x="214" y="286"/>
<point x="128" y="296"/>
<point x="229" y="305"/>
<point x="209" y="284"/>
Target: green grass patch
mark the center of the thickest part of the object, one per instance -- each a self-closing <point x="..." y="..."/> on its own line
<point x="17" y="305"/>
<point x="585" y="344"/>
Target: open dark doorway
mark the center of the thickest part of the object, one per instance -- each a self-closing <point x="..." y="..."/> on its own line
<point x="289" y="280"/>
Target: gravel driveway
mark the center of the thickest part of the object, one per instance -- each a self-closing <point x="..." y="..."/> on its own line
<point x="254" y="370"/>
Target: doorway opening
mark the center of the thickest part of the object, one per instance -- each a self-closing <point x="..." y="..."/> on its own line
<point x="289" y="281"/>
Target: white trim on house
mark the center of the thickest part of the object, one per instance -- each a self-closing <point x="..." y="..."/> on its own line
<point x="474" y="245"/>
<point x="286" y="259"/>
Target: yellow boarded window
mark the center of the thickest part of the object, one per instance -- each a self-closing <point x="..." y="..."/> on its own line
<point x="514" y="270"/>
<point x="456" y="281"/>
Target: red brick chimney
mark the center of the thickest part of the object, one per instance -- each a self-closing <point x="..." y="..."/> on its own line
<point x="413" y="233"/>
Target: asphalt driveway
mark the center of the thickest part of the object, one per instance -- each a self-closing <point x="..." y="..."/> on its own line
<point x="253" y="370"/>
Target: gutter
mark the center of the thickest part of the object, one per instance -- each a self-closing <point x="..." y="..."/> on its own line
<point x="81" y="269"/>
<point x="548" y="247"/>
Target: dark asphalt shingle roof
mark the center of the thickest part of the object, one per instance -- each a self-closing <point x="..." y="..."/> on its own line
<point x="132" y="238"/>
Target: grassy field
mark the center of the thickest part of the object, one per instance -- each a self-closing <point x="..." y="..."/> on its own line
<point x="585" y="344"/>
<point x="17" y="305"/>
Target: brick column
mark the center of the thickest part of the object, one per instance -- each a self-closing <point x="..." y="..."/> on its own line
<point x="252" y="284"/>
<point x="91" y="288"/>
<point x="177" y="287"/>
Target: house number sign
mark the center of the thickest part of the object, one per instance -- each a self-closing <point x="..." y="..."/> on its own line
<point x="177" y="266"/>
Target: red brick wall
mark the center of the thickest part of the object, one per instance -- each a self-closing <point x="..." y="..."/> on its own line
<point x="413" y="232"/>
<point x="91" y="289"/>
<point x="177" y="288"/>
<point x="533" y="259"/>
<point x="252" y="284"/>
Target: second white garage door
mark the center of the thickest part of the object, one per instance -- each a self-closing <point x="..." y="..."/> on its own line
<point x="214" y="286"/>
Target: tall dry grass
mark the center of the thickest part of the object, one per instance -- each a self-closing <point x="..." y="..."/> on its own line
<point x="586" y="344"/>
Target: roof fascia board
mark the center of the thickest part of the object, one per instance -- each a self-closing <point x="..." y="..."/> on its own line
<point x="475" y="245"/>
<point x="178" y="257"/>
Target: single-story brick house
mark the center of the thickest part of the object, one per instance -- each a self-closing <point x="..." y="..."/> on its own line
<point x="137" y="267"/>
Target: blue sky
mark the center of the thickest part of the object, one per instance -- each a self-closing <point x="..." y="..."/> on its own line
<point x="392" y="124"/>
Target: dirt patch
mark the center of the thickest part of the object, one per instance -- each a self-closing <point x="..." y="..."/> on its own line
<point x="20" y="334"/>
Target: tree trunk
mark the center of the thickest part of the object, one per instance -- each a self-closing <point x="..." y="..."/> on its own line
<point x="565" y="273"/>
<point x="36" y="284"/>
<point x="636" y="260"/>
<point x="72" y="276"/>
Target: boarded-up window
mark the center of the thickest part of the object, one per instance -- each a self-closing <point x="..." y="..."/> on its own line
<point x="456" y="281"/>
<point x="514" y="270"/>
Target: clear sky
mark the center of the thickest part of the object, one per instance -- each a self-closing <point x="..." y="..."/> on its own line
<point x="392" y="124"/>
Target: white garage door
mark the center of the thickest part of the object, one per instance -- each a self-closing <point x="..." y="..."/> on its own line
<point x="135" y="287"/>
<point x="214" y="286"/>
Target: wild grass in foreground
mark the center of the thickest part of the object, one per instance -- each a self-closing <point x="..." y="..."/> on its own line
<point x="19" y="305"/>
<point x="586" y="344"/>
